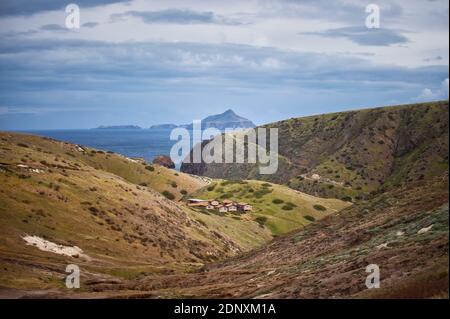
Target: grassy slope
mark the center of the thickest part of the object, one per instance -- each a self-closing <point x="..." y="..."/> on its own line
<point x="280" y="217"/>
<point x="139" y="172"/>
<point x="357" y="154"/>
<point x="328" y="259"/>
<point x="128" y="230"/>
<point x="97" y="201"/>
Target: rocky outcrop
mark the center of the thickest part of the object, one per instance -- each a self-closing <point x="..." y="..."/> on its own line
<point x="165" y="161"/>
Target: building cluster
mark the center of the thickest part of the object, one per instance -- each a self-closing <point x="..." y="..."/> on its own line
<point x="223" y="207"/>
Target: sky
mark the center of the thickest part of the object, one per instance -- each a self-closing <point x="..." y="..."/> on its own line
<point x="145" y="62"/>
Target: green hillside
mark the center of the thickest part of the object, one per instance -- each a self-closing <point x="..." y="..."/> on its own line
<point x="277" y="207"/>
<point x="67" y="196"/>
<point x="353" y="155"/>
<point x="404" y="231"/>
<point x="115" y="212"/>
<point x="382" y="175"/>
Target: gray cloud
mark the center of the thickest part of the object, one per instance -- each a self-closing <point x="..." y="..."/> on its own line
<point x="365" y="36"/>
<point x="178" y="16"/>
<point x="434" y="59"/>
<point x="27" y="7"/>
<point x="134" y="67"/>
<point x="53" y="27"/>
<point x="89" y="24"/>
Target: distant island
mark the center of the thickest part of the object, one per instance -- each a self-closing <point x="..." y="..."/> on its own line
<point x="163" y="127"/>
<point x="229" y="119"/>
<point x="226" y="120"/>
<point x="118" y="127"/>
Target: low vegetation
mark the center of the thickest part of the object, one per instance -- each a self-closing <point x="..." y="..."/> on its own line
<point x="283" y="208"/>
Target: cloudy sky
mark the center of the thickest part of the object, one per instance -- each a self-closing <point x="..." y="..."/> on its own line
<point x="145" y="62"/>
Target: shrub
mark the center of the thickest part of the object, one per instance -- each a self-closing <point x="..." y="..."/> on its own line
<point x="261" y="220"/>
<point x="262" y="192"/>
<point x="183" y="192"/>
<point x="93" y="209"/>
<point x="211" y="188"/>
<point x="168" y="195"/>
<point x="266" y="185"/>
<point x="291" y="204"/>
<point x="347" y="199"/>
<point x="310" y="218"/>
<point x="22" y="145"/>
<point x="278" y="201"/>
<point x="232" y="182"/>
<point x="202" y="223"/>
<point x="150" y="168"/>
<point x="320" y="208"/>
<point x="174" y="184"/>
<point x="287" y="207"/>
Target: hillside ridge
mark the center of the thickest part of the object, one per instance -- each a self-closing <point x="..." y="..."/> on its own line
<point x="352" y="155"/>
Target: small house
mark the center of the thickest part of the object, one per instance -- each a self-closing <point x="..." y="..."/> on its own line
<point x="223" y="209"/>
<point x="215" y="203"/>
<point x="245" y="207"/>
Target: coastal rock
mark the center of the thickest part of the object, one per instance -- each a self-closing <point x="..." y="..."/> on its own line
<point x="165" y="161"/>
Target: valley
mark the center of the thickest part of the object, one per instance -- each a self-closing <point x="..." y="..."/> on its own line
<point x="118" y="218"/>
<point x="353" y="189"/>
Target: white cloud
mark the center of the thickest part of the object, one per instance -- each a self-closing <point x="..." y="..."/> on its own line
<point x="428" y="94"/>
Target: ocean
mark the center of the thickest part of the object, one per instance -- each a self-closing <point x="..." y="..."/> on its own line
<point x="132" y="143"/>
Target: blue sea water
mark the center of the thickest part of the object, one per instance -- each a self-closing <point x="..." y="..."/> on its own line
<point x="132" y="143"/>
